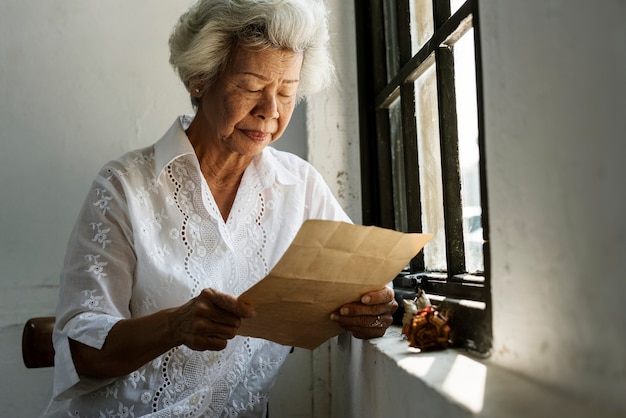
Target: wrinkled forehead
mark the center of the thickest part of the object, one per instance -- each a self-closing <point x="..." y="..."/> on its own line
<point x="268" y="63"/>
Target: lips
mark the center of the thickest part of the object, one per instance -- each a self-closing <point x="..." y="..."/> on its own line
<point x="257" y="136"/>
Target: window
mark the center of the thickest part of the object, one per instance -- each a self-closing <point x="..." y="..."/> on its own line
<point x="421" y="155"/>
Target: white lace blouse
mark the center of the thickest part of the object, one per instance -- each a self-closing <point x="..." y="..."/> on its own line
<point x="149" y="237"/>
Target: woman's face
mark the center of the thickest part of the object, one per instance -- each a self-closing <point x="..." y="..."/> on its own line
<point x="250" y="105"/>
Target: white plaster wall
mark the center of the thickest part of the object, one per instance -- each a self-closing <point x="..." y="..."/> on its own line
<point x="80" y="82"/>
<point x="555" y="96"/>
<point x="332" y="121"/>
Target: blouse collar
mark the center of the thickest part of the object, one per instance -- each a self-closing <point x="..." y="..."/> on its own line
<point x="175" y="144"/>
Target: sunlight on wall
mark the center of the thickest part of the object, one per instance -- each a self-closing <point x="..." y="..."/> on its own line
<point x="462" y="379"/>
<point x="456" y="375"/>
<point x="466" y="382"/>
<point x="418" y="365"/>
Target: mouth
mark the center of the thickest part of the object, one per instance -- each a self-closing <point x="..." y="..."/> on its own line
<point x="257" y="136"/>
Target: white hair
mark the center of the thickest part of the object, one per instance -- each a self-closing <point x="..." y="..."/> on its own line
<point x="205" y="36"/>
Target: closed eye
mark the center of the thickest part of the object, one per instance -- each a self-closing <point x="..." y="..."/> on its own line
<point x="248" y="89"/>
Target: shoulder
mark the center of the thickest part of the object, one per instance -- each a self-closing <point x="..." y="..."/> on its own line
<point x="289" y="167"/>
<point x="284" y="158"/>
<point x="134" y="164"/>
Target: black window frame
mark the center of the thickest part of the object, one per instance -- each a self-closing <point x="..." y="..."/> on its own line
<point x="466" y="297"/>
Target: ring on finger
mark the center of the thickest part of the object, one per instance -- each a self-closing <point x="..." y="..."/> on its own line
<point x="377" y="323"/>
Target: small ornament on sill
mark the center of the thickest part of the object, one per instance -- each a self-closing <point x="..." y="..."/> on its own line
<point x="411" y="307"/>
<point x="424" y="327"/>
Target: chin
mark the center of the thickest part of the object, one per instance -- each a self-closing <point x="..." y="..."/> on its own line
<point x="251" y="149"/>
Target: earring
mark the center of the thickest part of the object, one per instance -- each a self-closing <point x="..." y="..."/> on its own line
<point x="197" y="90"/>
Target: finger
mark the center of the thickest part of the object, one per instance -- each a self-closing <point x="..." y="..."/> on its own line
<point x="366" y="326"/>
<point x="365" y="321"/>
<point x="207" y="335"/>
<point x="359" y="309"/>
<point x="213" y="329"/>
<point x="210" y="343"/>
<point x="228" y="303"/>
<point x="225" y="319"/>
<point x="366" y="333"/>
<point x="384" y="295"/>
<point x="374" y="329"/>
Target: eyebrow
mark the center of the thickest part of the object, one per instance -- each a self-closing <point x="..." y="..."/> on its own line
<point x="265" y="78"/>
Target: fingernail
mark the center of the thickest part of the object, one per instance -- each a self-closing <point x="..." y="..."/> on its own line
<point x="366" y="299"/>
<point x="334" y="317"/>
<point x="344" y="311"/>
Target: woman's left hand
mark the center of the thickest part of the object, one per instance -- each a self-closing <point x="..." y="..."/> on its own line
<point x="370" y="317"/>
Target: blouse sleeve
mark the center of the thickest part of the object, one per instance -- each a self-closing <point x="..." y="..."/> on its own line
<point x="321" y="202"/>
<point x="96" y="280"/>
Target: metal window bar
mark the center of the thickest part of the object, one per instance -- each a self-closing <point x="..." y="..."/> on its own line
<point x="449" y="137"/>
<point x="409" y="126"/>
<point x="377" y="196"/>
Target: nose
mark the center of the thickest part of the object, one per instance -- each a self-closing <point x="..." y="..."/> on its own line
<point x="266" y="107"/>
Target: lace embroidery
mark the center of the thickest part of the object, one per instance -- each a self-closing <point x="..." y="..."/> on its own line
<point x="159" y="254"/>
<point x="142" y="196"/>
<point x="97" y="267"/>
<point x="261" y="250"/>
<point x="201" y="229"/>
<point x="186" y="373"/>
<point x="101" y="234"/>
<point x="158" y="217"/>
<point x="103" y="202"/>
<point x="134" y="378"/>
<point x="91" y="300"/>
<point x="178" y="174"/>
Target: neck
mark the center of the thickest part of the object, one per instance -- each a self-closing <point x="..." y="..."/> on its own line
<point x="217" y="161"/>
<point x="222" y="170"/>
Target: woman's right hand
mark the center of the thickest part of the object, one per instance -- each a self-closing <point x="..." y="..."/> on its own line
<point x="209" y="320"/>
<point x="206" y="322"/>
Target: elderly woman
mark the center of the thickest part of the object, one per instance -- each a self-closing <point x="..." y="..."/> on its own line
<point x="171" y="234"/>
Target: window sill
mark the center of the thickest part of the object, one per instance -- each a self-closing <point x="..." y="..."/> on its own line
<point x="457" y="385"/>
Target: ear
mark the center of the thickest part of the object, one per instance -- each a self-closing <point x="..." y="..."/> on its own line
<point x="195" y="91"/>
<point x="196" y="87"/>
